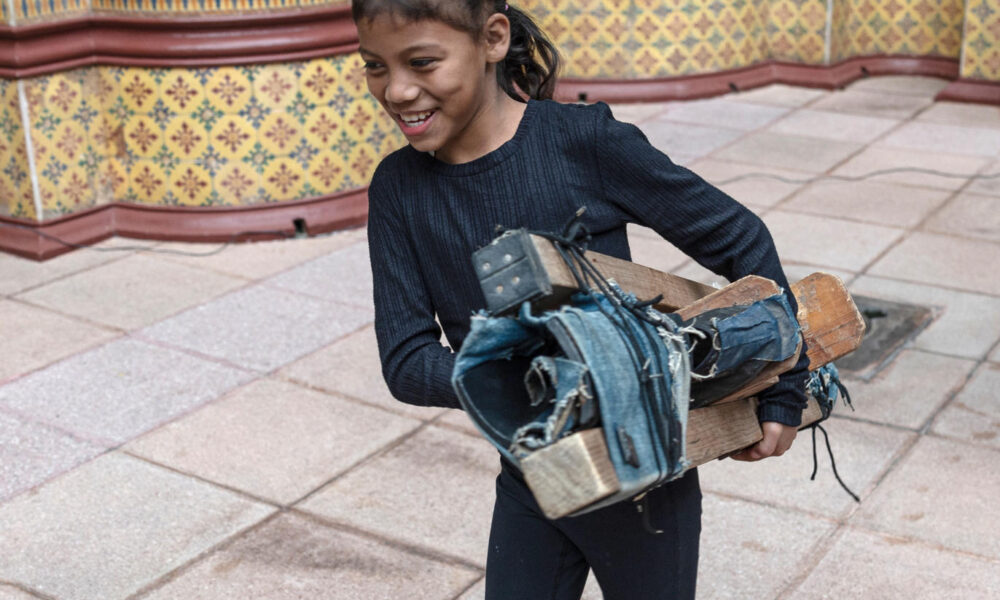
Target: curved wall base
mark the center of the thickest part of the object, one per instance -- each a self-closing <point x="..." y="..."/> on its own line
<point x="215" y="224"/>
<point x="713" y="84"/>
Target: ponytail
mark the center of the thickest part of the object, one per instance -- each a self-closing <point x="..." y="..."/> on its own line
<point x="532" y="62"/>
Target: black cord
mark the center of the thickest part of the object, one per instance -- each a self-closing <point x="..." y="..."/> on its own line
<point x="833" y="463"/>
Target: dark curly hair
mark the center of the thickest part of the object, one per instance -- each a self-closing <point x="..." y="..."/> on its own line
<point x="532" y="62"/>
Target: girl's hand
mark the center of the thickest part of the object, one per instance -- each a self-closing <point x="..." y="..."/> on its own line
<point x="777" y="440"/>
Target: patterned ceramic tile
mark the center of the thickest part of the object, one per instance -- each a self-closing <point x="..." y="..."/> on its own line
<point x="40" y="10"/>
<point x="205" y="137"/>
<point x="16" y="198"/>
<point x="920" y="27"/>
<point x="796" y="30"/>
<point x="981" y="45"/>
<point x="203" y="6"/>
<point x="643" y="38"/>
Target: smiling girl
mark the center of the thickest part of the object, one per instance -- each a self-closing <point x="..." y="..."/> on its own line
<point x="454" y="75"/>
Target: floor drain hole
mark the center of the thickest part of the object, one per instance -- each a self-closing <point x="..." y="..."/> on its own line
<point x="888" y="327"/>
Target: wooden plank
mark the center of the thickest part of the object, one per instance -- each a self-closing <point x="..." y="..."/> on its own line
<point x="832" y="325"/>
<point x="571" y="474"/>
<point x="644" y="282"/>
<point x="576" y="471"/>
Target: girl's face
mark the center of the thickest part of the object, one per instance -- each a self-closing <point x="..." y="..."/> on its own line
<point x="435" y="81"/>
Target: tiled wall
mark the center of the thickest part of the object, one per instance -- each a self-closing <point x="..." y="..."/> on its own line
<point x="33" y="11"/>
<point x="203" y="137"/>
<point x="981" y="44"/>
<point x="909" y="27"/>
<point x="15" y="181"/>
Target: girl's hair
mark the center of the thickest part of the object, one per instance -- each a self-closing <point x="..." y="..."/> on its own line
<point x="532" y="61"/>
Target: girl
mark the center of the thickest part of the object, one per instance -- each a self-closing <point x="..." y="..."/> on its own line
<point x="453" y="74"/>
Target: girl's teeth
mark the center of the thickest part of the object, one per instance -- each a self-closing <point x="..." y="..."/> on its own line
<point x="417" y="119"/>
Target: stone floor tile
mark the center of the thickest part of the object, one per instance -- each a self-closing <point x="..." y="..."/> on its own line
<point x="131" y="292"/>
<point x="863" y="564"/>
<point x="115" y="392"/>
<point x="9" y="592"/>
<point x="878" y="158"/>
<point x="292" y="557"/>
<point x="656" y="253"/>
<point x="988" y="182"/>
<point x="780" y="94"/>
<point x="31" y="454"/>
<point x="974" y="415"/>
<point x="754" y="185"/>
<point x="351" y="366"/>
<point x="261" y="259"/>
<point x="21" y="273"/>
<point x="272" y="439"/>
<point x="34" y="337"/>
<point x="965" y="324"/>
<point x="685" y="139"/>
<point x="943" y="491"/>
<point x="591" y="591"/>
<point x="112" y="526"/>
<point x="971" y="215"/>
<point x="876" y="104"/>
<point x="938" y="137"/>
<point x="824" y="241"/>
<point x="795" y="152"/>
<point x="753" y="551"/>
<point x="723" y="112"/>
<point x="900" y="84"/>
<point x="910" y="390"/>
<point x="941" y="259"/>
<point x="343" y="276"/>
<point x="862" y="452"/>
<point x="259" y="327"/>
<point x="434" y="490"/>
<point x="871" y="201"/>
<point x="962" y="113"/>
<point x="458" y="420"/>
<point x="641" y="231"/>
<point x="833" y="125"/>
<point x="639" y="111"/>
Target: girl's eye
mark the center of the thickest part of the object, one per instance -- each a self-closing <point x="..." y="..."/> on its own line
<point x="420" y="63"/>
<point x="372" y="66"/>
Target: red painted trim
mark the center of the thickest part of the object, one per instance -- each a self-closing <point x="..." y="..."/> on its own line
<point x="31" y="50"/>
<point x="971" y="90"/>
<point x="713" y="84"/>
<point x="187" y="224"/>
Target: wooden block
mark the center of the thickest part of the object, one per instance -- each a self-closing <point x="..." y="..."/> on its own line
<point x="832" y="325"/>
<point x="720" y="429"/>
<point x="571" y="474"/>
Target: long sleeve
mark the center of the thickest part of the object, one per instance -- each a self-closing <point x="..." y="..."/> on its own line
<point x="703" y="222"/>
<point x="416" y="367"/>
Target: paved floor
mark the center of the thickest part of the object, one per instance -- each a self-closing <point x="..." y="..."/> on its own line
<point x="216" y="427"/>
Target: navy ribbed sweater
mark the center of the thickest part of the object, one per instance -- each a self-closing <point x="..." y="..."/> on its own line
<point x="426" y="217"/>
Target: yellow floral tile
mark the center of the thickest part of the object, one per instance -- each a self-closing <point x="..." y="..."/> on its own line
<point x="63" y="95"/>
<point x="282" y="180"/>
<point x="796" y="30"/>
<point x="189" y="185"/>
<point x="186" y="137"/>
<point x="237" y="184"/>
<point x="228" y="89"/>
<point x="327" y="173"/>
<point x="232" y="136"/>
<point x="279" y="133"/>
<point x="205" y="6"/>
<point x="143" y="136"/>
<point x="181" y="91"/>
<point x="39" y="10"/>
<point x="981" y="45"/>
<point x="319" y="82"/>
<point x="147" y="181"/>
<point x="138" y="89"/>
<point x="71" y="192"/>
<point x="275" y="86"/>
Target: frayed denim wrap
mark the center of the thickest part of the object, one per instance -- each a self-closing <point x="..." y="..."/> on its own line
<point x="636" y="370"/>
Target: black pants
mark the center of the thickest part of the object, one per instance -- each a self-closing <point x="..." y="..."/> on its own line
<point x="534" y="558"/>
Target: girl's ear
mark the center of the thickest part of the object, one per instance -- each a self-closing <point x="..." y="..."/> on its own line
<point x="496" y="34"/>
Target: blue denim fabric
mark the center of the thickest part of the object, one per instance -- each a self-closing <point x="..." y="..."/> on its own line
<point x="522" y="380"/>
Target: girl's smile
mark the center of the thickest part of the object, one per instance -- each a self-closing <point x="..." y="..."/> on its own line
<point x="439" y="83"/>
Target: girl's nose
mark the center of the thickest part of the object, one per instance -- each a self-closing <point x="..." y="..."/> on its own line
<point x="401" y="90"/>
